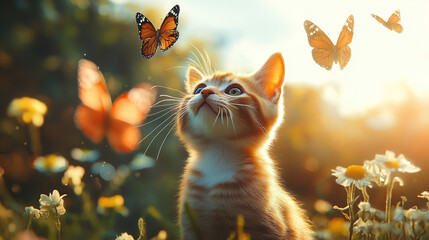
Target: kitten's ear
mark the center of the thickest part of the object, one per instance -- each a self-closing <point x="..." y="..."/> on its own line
<point x="193" y="76"/>
<point x="271" y="76"/>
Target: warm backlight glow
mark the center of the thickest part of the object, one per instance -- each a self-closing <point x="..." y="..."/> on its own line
<point x="246" y="33"/>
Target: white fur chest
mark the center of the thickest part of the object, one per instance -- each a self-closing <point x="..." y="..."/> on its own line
<point x="217" y="165"/>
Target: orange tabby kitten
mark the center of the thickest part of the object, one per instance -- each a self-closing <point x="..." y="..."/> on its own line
<point x="227" y="122"/>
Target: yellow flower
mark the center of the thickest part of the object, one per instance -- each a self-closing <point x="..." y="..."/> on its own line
<point x="162" y="235"/>
<point x="116" y="202"/>
<point x="337" y="226"/>
<point x="111" y="202"/>
<point x="51" y="163"/>
<point x="30" y="110"/>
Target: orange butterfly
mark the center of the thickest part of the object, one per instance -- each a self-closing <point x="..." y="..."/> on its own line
<point x="98" y="117"/>
<point x="325" y="53"/>
<point x="165" y="37"/>
<point x="392" y="23"/>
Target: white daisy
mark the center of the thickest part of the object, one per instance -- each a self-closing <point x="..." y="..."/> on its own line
<point x="390" y="163"/>
<point x="124" y="236"/>
<point x="424" y="194"/>
<point x="378" y="175"/>
<point x="398" y="214"/>
<point x="416" y="215"/>
<point x="367" y="212"/>
<point x="364" y="227"/>
<point x="54" y="202"/>
<point x="34" y="213"/>
<point x="364" y="206"/>
<point x="388" y="228"/>
<point x="353" y="174"/>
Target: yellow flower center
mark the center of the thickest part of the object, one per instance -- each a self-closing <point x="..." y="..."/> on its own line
<point x="337" y="226"/>
<point x="392" y="164"/>
<point x="111" y="202"/>
<point x="50" y="161"/>
<point x="355" y="171"/>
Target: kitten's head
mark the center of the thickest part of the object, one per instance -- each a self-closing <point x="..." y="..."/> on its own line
<point x="232" y="109"/>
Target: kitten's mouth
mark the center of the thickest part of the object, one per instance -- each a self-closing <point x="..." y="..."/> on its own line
<point x="206" y="105"/>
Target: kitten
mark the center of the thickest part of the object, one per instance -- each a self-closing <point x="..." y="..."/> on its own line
<point x="227" y="122"/>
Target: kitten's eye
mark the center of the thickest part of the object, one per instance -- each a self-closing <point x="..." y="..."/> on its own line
<point x="199" y="88"/>
<point x="234" y="91"/>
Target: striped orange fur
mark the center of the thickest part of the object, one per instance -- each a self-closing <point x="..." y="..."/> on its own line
<point x="227" y="125"/>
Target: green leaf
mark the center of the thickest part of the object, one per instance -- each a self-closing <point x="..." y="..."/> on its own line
<point x="193" y="220"/>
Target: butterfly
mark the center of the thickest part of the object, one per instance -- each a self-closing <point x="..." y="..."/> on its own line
<point x="392" y="23"/>
<point x="325" y="53"/>
<point x="165" y="37"/>
<point x="97" y="117"/>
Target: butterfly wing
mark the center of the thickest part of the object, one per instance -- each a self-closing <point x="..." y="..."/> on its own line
<point x="323" y="46"/>
<point x="168" y="31"/>
<point x="90" y="117"/>
<point x="393" y="22"/>
<point x="129" y="110"/>
<point x="344" y="52"/>
<point x="148" y="35"/>
<point x="323" y="57"/>
<point x="380" y="20"/>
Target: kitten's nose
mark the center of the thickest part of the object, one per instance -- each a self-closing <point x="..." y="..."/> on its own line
<point x="206" y="92"/>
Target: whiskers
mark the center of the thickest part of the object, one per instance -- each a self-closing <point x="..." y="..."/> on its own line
<point x="240" y="105"/>
<point x="202" y="62"/>
<point x="225" y="110"/>
<point x="169" y="88"/>
<point x="169" y="108"/>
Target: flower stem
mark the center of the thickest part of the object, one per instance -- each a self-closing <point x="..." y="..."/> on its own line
<point x="389" y="198"/>
<point x="350" y="203"/>
<point x="29" y="223"/>
<point x="58" y="223"/>
<point x="365" y="194"/>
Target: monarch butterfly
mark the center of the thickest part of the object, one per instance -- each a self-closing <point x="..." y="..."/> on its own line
<point x="392" y="23"/>
<point x="97" y="117"/>
<point x="165" y="37"/>
<point x="325" y="53"/>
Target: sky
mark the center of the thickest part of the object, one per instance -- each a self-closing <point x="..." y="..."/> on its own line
<point x="246" y="33"/>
